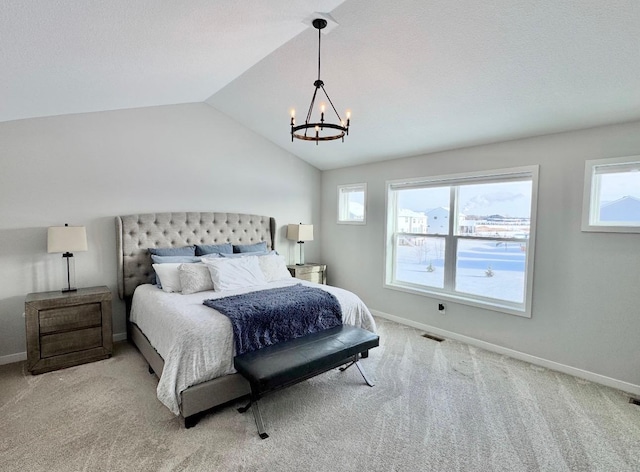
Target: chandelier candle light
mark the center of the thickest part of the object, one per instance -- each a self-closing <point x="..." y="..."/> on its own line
<point x="330" y="131"/>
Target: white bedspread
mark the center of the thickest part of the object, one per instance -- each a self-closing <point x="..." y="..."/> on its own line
<point x="196" y="342"/>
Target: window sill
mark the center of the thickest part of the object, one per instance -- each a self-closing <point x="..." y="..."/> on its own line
<point x="444" y="296"/>
<point x="360" y="223"/>
<point x="610" y="228"/>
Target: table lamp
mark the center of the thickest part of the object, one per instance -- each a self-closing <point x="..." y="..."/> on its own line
<point x="300" y="233"/>
<point x="66" y="239"/>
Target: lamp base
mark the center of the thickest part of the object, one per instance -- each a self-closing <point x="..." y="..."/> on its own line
<point x="69" y="271"/>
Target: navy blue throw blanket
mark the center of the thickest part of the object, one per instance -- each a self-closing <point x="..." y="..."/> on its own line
<point x="267" y="317"/>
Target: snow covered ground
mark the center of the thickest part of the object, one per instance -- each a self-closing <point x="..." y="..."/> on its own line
<point x="487" y="268"/>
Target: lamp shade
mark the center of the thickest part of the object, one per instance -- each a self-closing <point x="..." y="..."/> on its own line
<point x="66" y="239"/>
<point x="300" y="232"/>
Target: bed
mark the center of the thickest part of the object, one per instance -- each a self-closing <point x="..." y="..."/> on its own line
<point x="176" y="333"/>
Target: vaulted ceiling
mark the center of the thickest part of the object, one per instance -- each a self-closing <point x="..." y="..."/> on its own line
<point x="418" y="75"/>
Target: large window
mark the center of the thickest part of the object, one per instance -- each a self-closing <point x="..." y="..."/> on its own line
<point x="612" y="195"/>
<point x="464" y="237"/>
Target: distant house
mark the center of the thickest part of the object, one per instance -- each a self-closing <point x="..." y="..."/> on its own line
<point x="410" y="221"/>
<point x="624" y="209"/>
<point x="438" y="221"/>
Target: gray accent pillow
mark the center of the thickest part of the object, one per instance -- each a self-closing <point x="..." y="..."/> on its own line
<point x="202" y="249"/>
<point x="194" y="278"/>
<point x="258" y="247"/>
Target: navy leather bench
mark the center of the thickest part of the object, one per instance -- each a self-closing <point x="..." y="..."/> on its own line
<point x="290" y="362"/>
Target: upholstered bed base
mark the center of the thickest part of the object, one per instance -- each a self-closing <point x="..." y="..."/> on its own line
<point x="135" y="234"/>
<point x="198" y="398"/>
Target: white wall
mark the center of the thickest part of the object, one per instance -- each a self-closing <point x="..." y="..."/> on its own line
<point x="586" y="295"/>
<point x="86" y="169"/>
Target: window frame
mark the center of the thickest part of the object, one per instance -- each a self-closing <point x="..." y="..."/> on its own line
<point x="358" y="187"/>
<point x="448" y="293"/>
<point x="591" y="196"/>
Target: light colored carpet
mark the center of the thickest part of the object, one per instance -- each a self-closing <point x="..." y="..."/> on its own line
<point x="435" y="407"/>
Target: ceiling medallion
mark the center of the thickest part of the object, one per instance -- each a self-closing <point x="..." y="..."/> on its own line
<point x="321" y="130"/>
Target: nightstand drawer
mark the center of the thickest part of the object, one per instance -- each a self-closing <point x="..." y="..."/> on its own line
<point x="316" y="277"/>
<point x="70" y="317"/>
<point x="64" y="343"/>
<point x="308" y="269"/>
<point x="310" y="272"/>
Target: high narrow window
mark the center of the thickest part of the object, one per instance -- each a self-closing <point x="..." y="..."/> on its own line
<point x="612" y="195"/>
<point x="352" y="204"/>
<point x="464" y="237"/>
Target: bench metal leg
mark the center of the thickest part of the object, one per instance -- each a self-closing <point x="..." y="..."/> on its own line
<point x="253" y="404"/>
<point x="258" y="417"/>
<point x="364" y="376"/>
<point x="356" y="362"/>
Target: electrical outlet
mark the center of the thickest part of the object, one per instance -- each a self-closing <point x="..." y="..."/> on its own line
<point x="442" y="308"/>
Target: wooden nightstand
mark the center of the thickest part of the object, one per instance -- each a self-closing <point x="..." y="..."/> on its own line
<point x="311" y="272"/>
<point x="67" y="329"/>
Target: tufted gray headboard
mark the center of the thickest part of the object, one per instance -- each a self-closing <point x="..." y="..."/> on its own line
<point x="136" y="233"/>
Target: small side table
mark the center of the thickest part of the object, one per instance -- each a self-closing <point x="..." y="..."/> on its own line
<point x="311" y="272"/>
<point x="67" y="329"/>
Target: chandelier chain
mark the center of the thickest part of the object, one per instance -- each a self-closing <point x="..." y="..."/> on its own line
<point x="319" y="44"/>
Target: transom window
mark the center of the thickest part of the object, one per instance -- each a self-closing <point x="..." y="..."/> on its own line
<point x="612" y="195"/>
<point x="352" y="204"/>
<point x="464" y="237"/>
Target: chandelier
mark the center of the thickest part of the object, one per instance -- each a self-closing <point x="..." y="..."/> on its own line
<point x="320" y="130"/>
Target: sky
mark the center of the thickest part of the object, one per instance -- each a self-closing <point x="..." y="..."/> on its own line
<point x="615" y="186"/>
<point x="504" y="198"/>
<point x="508" y="198"/>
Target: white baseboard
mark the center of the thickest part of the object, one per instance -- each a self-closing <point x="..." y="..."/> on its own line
<point x="11" y="358"/>
<point x="22" y="356"/>
<point x="566" y="369"/>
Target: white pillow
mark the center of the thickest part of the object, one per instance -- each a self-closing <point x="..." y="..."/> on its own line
<point x="231" y="274"/>
<point x="215" y="255"/>
<point x="168" y="275"/>
<point x="194" y="278"/>
<point x="274" y="267"/>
